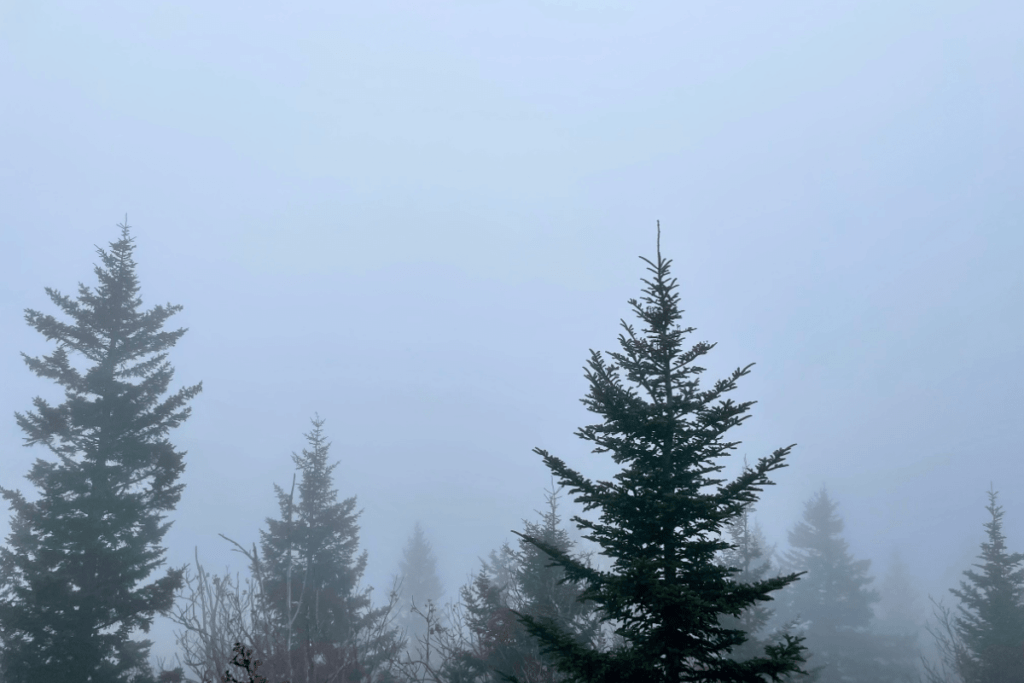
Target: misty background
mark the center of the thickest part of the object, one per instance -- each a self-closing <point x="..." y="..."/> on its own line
<point x="415" y="219"/>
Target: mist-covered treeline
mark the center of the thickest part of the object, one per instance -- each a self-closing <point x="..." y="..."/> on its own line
<point x="676" y="582"/>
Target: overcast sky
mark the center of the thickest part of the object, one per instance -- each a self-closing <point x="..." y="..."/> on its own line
<point x="415" y="218"/>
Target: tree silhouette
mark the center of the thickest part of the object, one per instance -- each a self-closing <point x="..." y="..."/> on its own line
<point x="77" y="554"/>
<point x="989" y="622"/>
<point x="312" y="572"/>
<point x="661" y="520"/>
<point x="834" y="603"/>
<point x="420" y="584"/>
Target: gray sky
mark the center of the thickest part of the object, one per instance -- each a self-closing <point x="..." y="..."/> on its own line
<point x="416" y="219"/>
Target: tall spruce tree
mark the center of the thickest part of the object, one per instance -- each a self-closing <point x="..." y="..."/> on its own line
<point x="834" y="603"/>
<point x="662" y="519"/>
<point x="312" y="575"/>
<point x="77" y="555"/>
<point x="990" y="616"/>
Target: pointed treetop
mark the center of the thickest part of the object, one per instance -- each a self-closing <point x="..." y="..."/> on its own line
<point x="659" y="240"/>
<point x="662" y="515"/>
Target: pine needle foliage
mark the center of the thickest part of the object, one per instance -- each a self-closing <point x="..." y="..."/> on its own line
<point x="313" y="574"/>
<point x="662" y="518"/>
<point x="523" y="581"/>
<point x="990" y="617"/>
<point x="76" y="555"/>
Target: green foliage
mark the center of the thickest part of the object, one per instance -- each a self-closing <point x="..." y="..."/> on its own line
<point x="312" y="573"/>
<point x="990" y="618"/>
<point x="662" y="519"/>
<point x="522" y="581"/>
<point x="496" y="645"/>
<point x="77" y="554"/>
<point x="514" y="582"/>
<point x="542" y="591"/>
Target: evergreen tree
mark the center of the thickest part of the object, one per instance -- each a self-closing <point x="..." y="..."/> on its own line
<point x="77" y="555"/>
<point x="494" y="646"/>
<point x="523" y="581"/>
<point x="311" y="578"/>
<point x="543" y="592"/>
<point x="662" y="518"/>
<point x="990" y="620"/>
<point x="834" y="595"/>
<point x="418" y="575"/>
<point x="900" y="610"/>
<point x="900" y="613"/>
<point x="834" y="602"/>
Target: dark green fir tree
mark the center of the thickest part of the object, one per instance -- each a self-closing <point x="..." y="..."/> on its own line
<point x="77" y="555"/>
<point x="312" y="575"/>
<point x="662" y="519"/>
<point x="834" y="603"/>
<point x="990" y="617"/>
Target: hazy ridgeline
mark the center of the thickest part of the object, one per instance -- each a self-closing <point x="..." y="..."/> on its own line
<point x="664" y="575"/>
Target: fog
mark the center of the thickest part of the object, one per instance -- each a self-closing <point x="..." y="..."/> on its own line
<point x="416" y="219"/>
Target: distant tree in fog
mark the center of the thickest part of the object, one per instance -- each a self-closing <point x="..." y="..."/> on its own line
<point x="833" y="603"/>
<point x="661" y="520"/>
<point x="983" y="640"/>
<point x="750" y="554"/>
<point x="521" y="581"/>
<point x="417" y="573"/>
<point x="543" y="589"/>
<point x="77" y="555"/>
<point x="494" y="643"/>
<point x="900" y="609"/>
